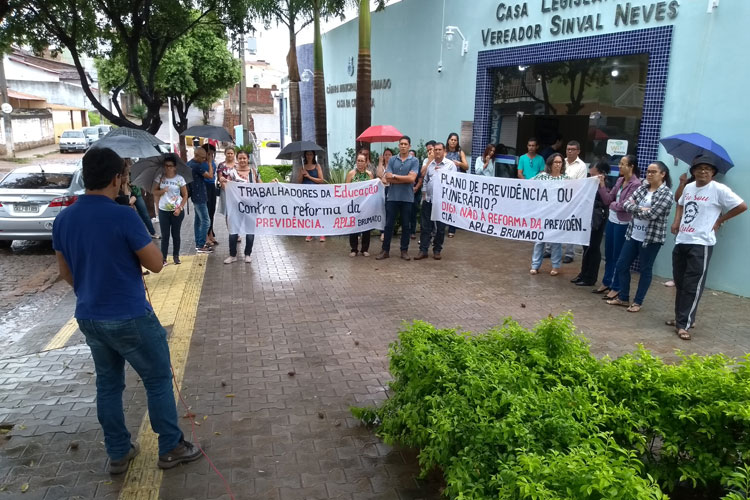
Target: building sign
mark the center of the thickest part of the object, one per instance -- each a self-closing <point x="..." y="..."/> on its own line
<point x="564" y="20"/>
<point x="383" y="84"/>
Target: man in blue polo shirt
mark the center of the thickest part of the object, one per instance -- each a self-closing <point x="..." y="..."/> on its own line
<point x="112" y="311"/>
<point x="202" y="170"/>
<point x="401" y="174"/>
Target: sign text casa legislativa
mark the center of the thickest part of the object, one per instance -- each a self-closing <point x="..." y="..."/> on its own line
<point x="569" y="17"/>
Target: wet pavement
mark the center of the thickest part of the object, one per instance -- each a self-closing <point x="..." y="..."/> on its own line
<point x="272" y="354"/>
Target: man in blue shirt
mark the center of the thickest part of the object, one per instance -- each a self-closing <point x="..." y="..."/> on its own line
<point x="201" y="170"/>
<point x="112" y="311"/>
<point x="401" y="174"/>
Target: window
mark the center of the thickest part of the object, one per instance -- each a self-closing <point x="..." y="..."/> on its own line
<point x="72" y="134"/>
<point x="36" y="180"/>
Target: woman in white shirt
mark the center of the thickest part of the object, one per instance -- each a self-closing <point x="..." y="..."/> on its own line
<point x="171" y="191"/>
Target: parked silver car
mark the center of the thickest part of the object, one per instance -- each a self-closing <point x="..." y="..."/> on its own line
<point x="32" y="196"/>
<point x="74" y="140"/>
<point x="92" y="134"/>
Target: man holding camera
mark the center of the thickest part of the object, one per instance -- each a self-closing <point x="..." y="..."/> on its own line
<point x="113" y="313"/>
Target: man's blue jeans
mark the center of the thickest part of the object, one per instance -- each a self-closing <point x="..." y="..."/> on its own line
<point x="391" y="209"/>
<point x="200" y="224"/>
<point x="142" y="342"/>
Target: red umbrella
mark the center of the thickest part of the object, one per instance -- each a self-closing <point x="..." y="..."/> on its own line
<point x="380" y="133"/>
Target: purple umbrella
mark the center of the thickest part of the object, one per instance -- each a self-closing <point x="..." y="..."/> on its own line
<point x="686" y="147"/>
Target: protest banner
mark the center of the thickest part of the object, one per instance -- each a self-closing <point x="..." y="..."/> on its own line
<point x="528" y="210"/>
<point x="305" y="209"/>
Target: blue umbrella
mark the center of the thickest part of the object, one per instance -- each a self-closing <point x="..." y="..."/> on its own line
<point x="686" y="147"/>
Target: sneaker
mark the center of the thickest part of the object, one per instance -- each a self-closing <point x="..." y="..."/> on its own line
<point x="365" y="254"/>
<point x="156" y="236"/>
<point x="120" y="466"/>
<point x="204" y="249"/>
<point x="248" y="259"/>
<point x="177" y="261"/>
<point x="183" y="453"/>
<point x="567" y="260"/>
<point x="230" y="259"/>
<point x="352" y="254"/>
<point x="322" y="239"/>
<point x="164" y="263"/>
<point x="309" y="238"/>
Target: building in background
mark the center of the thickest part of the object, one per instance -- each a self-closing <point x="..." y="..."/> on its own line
<point x="615" y="76"/>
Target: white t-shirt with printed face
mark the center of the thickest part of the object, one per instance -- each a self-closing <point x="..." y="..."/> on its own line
<point x="701" y="206"/>
<point x="641" y="225"/>
<point x="170" y="200"/>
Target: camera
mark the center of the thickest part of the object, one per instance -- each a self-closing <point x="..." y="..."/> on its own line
<point x="440" y="67"/>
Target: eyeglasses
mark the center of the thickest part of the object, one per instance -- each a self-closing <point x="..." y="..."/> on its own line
<point x="652" y="172"/>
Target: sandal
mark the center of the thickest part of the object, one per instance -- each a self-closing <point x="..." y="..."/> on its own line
<point x="617" y="302"/>
<point x="634" y="308"/>
<point x="610" y="297"/>
<point x="554" y="272"/>
<point x="601" y="289"/>
<point x="684" y="334"/>
<point x="533" y="271"/>
<point x="670" y="322"/>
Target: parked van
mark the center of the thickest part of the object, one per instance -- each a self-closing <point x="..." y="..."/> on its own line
<point x="73" y="140"/>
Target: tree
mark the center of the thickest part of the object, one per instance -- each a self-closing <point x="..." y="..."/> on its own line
<point x="197" y="69"/>
<point x="295" y="15"/>
<point x="364" y="70"/>
<point x="138" y="31"/>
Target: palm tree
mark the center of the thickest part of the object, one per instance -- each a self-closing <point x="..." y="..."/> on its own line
<point x="364" y="70"/>
<point x="364" y="73"/>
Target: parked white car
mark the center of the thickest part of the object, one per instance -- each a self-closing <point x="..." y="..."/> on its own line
<point x="92" y="134"/>
<point x="32" y="196"/>
<point x="74" y="140"/>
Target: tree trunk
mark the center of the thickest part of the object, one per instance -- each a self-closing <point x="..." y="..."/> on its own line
<point x="319" y="87"/>
<point x="295" y="105"/>
<point x="364" y="72"/>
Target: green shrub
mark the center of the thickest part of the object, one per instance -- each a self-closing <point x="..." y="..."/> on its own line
<point x="268" y="173"/>
<point x="516" y="414"/>
<point x="138" y="110"/>
<point x="337" y="175"/>
<point x="94" y="118"/>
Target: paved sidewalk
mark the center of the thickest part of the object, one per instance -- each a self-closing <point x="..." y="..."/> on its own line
<point x="281" y="349"/>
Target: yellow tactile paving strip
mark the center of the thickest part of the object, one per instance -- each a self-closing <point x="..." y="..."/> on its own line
<point x="62" y="336"/>
<point x="174" y="295"/>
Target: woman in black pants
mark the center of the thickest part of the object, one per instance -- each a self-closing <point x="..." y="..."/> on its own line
<point x="592" y="254"/>
<point x="171" y="193"/>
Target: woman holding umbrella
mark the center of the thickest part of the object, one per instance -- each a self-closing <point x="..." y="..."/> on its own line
<point x="311" y="173"/>
<point x="171" y="191"/>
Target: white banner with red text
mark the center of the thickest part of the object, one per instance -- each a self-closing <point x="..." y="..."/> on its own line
<point x="305" y="209"/>
<point x="527" y="210"/>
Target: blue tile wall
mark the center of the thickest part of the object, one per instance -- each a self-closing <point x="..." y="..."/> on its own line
<point x="656" y="42"/>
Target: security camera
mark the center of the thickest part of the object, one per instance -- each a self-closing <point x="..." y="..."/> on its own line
<point x="519" y="114"/>
<point x="440" y="68"/>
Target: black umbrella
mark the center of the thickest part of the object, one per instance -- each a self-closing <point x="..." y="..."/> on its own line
<point x="143" y="172"/>
<point x="127" y="147"/>
<point x="209" y="132"/>
<point x="135" y="133"/>
<point x="297" y="150"/>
